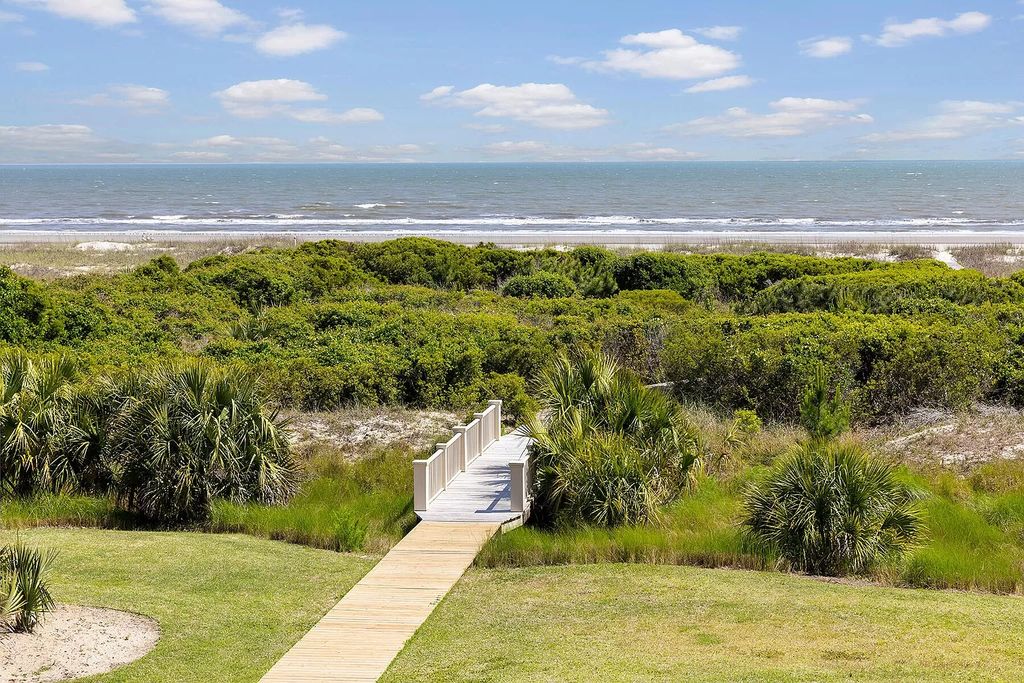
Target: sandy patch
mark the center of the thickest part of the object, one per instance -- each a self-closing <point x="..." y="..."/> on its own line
<point x="104" y="246"/>
<point x="357" y="429"/>
<point x="959" y="440"/>
<point x="74" y="641"/>
<point x="945" y="256"/>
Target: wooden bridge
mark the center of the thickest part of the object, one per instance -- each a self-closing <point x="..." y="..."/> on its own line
<point x="473" y="485"/>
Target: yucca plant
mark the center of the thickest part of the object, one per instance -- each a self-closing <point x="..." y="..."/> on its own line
<point x="24" y="594"/>
<point x="831" y="509"/>
<point x="607" y="449"/>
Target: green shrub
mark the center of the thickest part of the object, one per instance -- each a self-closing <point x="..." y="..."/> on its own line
<point x="22" y="308"/>
<point x="608" y="451"/>
<point x="422" y="261"/>
<point x="831" y="509"/>
<point x="517" y="404"/>
<point x="883" y="291"/>
<point x="747" y="421"/>
<point x="679" y="273"/>
<point x="542" y="285"/>
<point x="24" y="591"/>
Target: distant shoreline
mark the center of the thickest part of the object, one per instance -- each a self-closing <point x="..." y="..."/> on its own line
<point x="523" y="238"/>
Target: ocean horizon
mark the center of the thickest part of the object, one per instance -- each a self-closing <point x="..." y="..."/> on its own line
<point x="585" y="199"/>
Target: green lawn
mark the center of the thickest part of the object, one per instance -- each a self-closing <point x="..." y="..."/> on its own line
<point x="667" y="623"/>
<point x="228" y="606"/>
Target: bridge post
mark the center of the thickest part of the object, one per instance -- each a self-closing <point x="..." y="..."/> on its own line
<point x="461" y="431"/>
<point x="497" y="418"/>
<point x="420" y="497"/>
<point x="517" y="470"/>
<point x="482" y="433"/>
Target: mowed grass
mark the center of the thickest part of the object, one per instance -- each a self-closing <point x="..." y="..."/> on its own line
<point x="671" y="623"/>
<point x="228" y="606"/>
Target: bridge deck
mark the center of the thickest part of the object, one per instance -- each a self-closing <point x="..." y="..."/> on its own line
<point x="481" y="493"/>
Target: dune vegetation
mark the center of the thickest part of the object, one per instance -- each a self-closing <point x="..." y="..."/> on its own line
<point x="699" y="409"/>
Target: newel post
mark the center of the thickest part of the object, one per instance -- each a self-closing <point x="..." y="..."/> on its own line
<point x="497" y="418"/>
<point x="517" y="469"/>
<point x="420" y="497"/>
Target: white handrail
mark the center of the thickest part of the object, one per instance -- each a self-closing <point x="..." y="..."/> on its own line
<point x="433" y="475"/>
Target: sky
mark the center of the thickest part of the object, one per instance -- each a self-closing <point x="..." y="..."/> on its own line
<point x="216" y="81"/>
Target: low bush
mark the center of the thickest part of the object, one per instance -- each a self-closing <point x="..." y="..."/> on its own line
<point x="542" y="285"/>
<point x="831" y="509"/>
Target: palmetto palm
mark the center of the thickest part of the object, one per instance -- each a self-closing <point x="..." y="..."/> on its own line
<point x="185" y="434"/>
<point x="608" y="450"/>
<point x="24" y="593"/>
<point x="34" y="398"/>
<point x="831" y="509"/>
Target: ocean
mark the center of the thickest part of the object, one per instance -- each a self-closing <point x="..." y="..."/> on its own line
<point x="584" y="199"/>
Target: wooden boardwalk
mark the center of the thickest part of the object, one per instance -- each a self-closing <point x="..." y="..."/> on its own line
<point x="362" y="634"/>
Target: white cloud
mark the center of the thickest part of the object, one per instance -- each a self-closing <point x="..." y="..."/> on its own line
<point x="296" y="39"/>
<point x="723" y="83"/>
<point x="98" y="12"/>
<point x="825" y="48"/>
<point x="486" y="127"/>
<point x="720" y="32"/>
<point x="666" y="54"/>
<point x="139" y="97"/>
<point x="437" y="93"/>
<point x="545" y="105"/>
<point x="956" y="119"/>
<point x="259" y="99"/>
<point x="31" y="67"/>
<point x="320" y="115"/>
<point x="543" y="151"/>
<point x="10" y="17"/>
<point x="323" y="149"/>
<point x="46" y="136"/>
<point x="516" y="148"/>
<point x="642" y="151"/>
<point x="792" y="116"/>
<point x="895" y="34"/>
<point x="278" y="97"/>
<point x="566" y="61"/>
<point x="200" y="156"/>
<point x="207" y="17"/>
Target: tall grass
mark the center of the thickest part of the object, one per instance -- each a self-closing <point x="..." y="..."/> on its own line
<point x="342" y="504"/>
<point x="964" y="551"/>
<point x="65" y="510"/>
<point x="700" y="528"/>
<point x="345" y="505"/>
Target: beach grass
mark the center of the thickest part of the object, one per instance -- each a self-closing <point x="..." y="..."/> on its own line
<point x="228" y="606"/>
<point x="657" y="623"/>
<point x="360" y="505"/>
<point x="972" y="541"/>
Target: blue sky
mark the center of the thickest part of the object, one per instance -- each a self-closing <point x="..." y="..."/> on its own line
<point x="228" y="81"/>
